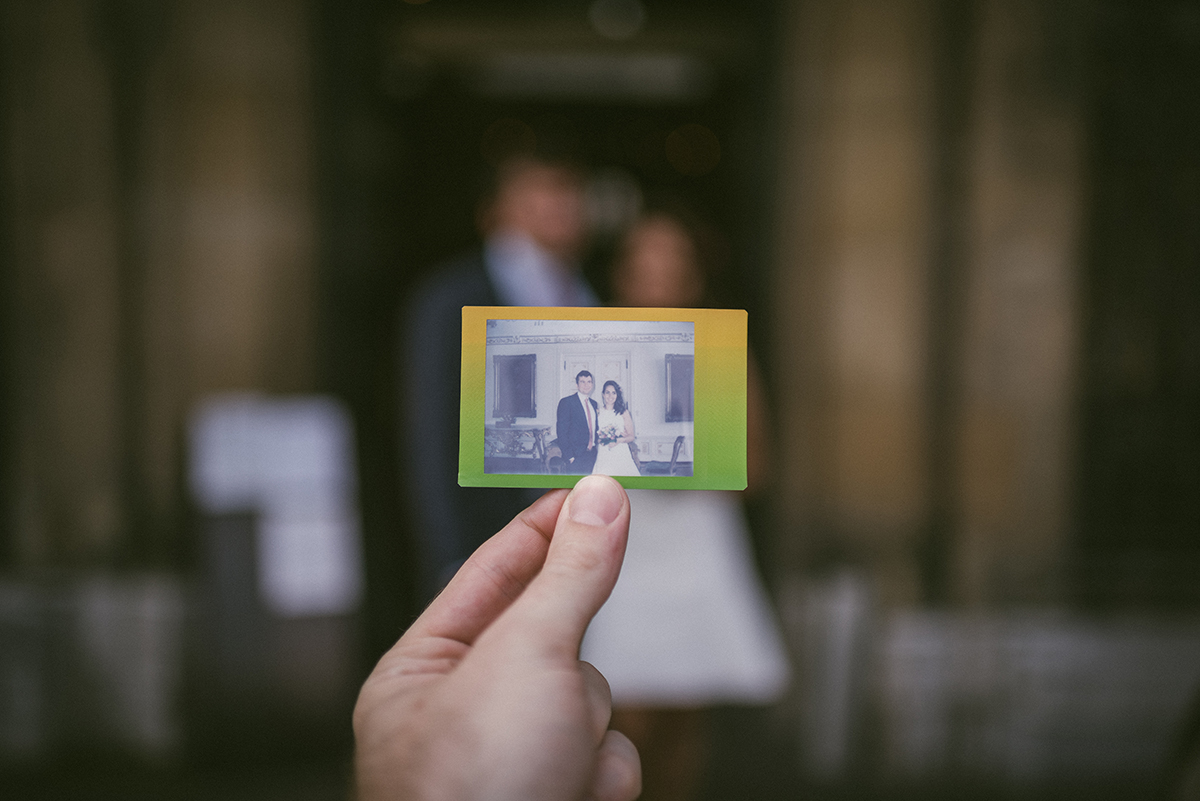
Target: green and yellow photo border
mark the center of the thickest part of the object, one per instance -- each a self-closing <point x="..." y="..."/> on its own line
<point x="719" y="427"/>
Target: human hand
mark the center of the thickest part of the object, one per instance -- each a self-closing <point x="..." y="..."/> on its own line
<point x="485" y="697"/>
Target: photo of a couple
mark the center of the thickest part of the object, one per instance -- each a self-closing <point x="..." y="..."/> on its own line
<point x="594" y="437"/>
<point x="574" y="397"/>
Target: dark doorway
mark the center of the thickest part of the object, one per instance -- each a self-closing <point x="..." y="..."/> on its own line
<point x="1139" y="459"/>
<point x="414" y="100"/>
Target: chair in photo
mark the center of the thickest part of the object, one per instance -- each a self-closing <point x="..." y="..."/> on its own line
<point x="554" y="460"/>
<point x="672" y="470"/>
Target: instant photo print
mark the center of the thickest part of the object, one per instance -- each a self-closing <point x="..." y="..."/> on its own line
<point x="655" y="398"/>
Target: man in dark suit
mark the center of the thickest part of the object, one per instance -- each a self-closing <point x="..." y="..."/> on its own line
<point x="532" y="219"/>
<point x="576" y="427"/>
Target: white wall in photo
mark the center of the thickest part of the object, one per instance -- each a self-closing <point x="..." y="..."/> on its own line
<point x="633" y="354"/>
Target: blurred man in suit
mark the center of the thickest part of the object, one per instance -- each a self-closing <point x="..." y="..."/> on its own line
<point x="533" y="225"/>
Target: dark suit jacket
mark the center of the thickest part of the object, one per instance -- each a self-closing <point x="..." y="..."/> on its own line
<point x="450" y="521"/>
<point x="571" y="429"/>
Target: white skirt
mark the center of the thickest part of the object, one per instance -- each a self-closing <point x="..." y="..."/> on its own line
<point x="689" y="622"/>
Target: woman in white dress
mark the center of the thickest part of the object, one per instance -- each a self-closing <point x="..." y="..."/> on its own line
<point x="615" y="425"/>
<point x="689" y="624"/>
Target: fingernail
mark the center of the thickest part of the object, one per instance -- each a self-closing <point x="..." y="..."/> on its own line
<point x="595" y="501"/>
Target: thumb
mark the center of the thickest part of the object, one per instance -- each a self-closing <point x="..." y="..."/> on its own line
<point x="582" y="565"/>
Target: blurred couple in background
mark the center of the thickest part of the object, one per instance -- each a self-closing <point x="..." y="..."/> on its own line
<point x="689" y="625"/>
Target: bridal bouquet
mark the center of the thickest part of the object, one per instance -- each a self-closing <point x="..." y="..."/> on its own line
<point x="610" y="434"/>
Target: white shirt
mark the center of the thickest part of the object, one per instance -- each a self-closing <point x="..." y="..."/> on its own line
<point x="589" y="414"/>
<point x="526" y="275"/>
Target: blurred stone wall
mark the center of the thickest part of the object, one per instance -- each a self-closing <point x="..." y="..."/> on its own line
<point x="160" y="247"/>
<point x="926" y="279"/>
<point x="65" y="499"/>
<point x="159" y="157"/>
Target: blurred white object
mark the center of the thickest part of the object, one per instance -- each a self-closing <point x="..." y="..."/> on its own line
<point x="689" y="622"/>
<point x="90" y="660"/>
<point x="291" y="462"/>
<point x="128" y="633"/>
<point x="835" y="626"/>
<point x="1035" y="696"/>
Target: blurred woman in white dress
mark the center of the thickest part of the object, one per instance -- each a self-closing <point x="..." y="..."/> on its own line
<point x="615" y="424"/>
<point x="689" y="624"/>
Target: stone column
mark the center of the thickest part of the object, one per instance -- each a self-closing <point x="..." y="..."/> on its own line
<point x="213" y="206"/>
<point x="1021" y="322"/>
<point x="231" y="219"/>
<point x="62" y="372"/>
<point x="850" y="272"/>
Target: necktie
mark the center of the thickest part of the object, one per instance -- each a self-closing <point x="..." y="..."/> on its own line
<point x="591" y="423"/>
